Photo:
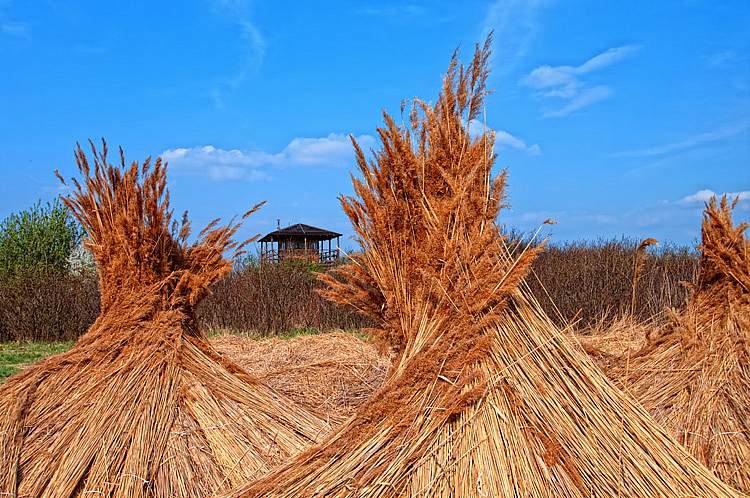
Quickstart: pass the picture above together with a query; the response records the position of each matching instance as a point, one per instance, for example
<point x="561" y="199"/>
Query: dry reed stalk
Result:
<point x="142" y="406"/>
<point x="486" y="396"/>
<point x="693" y="375"/>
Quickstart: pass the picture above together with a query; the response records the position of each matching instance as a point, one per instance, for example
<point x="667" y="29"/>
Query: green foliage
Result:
<point x="41" y="237"/>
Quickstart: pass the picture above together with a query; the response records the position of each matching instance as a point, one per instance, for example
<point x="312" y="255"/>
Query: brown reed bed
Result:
<point x="143" y="406"/>
<point x="693" y="374"/>
<point x="486" y="396"/>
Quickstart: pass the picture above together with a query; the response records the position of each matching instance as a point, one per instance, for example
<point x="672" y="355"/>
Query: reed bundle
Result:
<point x="142" y="406"/>
<point x="486" y="397"/>
<point x="693" y="375"/>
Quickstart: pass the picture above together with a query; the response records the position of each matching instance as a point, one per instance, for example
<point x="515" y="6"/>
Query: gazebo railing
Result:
<point x="326" y="258"/>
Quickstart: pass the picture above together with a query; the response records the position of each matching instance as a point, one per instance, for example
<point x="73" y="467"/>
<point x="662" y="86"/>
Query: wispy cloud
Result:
<point x="333" y="151"/>
<point x="562" y="216"/>
<point x="253" y="49"/>
<point x="581" y="99"/>
<point x="719" y="59"/>
<point x="720" y="133"/>
<point x="514" y="25"/>
<point x="16" y="29"/>
<point x="402" y="10"/>
<point x="503" y="138"/>
<point x="727" y="58"/>
<point x="565" y="82"/>
<point x="92" y="49"/>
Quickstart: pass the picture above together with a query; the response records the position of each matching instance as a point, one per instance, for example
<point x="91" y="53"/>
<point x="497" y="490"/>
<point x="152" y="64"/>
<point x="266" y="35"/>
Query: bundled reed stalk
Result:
<point x="693" y="375"/>
<point x="486" y="397"/>
<point x="142" y="406"/>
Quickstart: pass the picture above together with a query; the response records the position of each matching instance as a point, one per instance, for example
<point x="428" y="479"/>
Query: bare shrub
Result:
<point x="591" y="282"/>
<point x="46" y="305"/>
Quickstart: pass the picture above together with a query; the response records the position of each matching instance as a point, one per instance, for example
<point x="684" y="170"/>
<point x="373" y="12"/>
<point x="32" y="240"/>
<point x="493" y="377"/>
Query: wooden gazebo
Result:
<point x="302" y="242"/>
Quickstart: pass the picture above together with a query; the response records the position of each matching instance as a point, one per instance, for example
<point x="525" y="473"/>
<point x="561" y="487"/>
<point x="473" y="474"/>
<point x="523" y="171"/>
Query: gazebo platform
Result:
<point x="300" y="242"/>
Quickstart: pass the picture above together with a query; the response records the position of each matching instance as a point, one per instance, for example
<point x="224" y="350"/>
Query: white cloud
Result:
<point x="547" y="76"/>
<point x="207" y="161"/>
<point x="334" y="150"/>
<point x="564" y="81"/>
<point x="703" y="196"/>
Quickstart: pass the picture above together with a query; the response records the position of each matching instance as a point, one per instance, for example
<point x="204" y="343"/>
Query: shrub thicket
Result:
<point x="266" y="299"/>
<point x="46" y="305"/>
<point x="586" y="281"/>
<point x="591" y="282"/>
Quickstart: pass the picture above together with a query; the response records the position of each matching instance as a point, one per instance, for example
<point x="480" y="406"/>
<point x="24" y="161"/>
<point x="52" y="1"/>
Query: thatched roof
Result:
<point x="142" y="405"/>
<point x="486" y="397"/>
<point x="298" y="232"/>
<point x="693" y="375"/>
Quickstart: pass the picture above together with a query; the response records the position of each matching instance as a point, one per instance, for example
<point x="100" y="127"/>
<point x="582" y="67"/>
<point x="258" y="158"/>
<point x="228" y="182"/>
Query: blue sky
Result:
<point x="613" y="118"/>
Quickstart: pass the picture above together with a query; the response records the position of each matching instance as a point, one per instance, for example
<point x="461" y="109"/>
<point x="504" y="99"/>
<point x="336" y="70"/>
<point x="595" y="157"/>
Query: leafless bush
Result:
<point x="266" y="299"/>
<point x="586" y="281"/>
<point x="592" y="281"/>
<point x="46" y="305"/>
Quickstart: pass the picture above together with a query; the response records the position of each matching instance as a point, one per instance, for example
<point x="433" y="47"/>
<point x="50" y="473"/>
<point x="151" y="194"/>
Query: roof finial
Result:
<point x="278" y="223"/>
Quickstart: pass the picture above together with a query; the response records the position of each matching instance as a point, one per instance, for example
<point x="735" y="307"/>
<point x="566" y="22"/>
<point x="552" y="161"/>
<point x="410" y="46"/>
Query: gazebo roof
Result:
<point x="300" y="231"/>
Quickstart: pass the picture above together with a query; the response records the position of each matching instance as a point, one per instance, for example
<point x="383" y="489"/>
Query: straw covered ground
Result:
<point x="143" y="406"/>
<point x="486" y="397"/>
<point x="333" y="373"/>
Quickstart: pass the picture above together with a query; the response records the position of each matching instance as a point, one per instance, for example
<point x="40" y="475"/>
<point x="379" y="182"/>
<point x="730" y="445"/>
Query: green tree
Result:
<point x="38" y="238"/>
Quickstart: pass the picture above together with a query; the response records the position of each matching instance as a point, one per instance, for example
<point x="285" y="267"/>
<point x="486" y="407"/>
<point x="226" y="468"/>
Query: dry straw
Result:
<point x="693" y="375"/>
<point x="142" y="406"/>
<point x="334" y="373"/>
<point x="486" y="397"/>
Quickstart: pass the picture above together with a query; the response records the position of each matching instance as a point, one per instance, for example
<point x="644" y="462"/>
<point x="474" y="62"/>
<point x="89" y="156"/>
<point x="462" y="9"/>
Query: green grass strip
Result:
<point x="17" y="356"/>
